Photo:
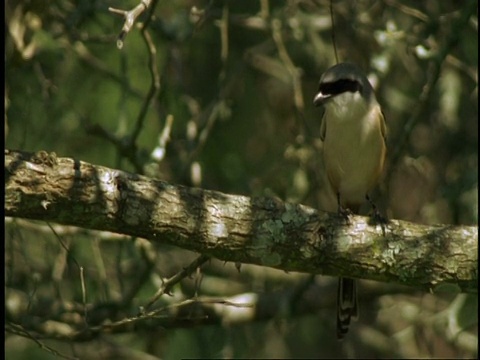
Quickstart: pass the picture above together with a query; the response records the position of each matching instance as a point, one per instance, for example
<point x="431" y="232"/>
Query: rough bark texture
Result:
<point x="261" y="231"/>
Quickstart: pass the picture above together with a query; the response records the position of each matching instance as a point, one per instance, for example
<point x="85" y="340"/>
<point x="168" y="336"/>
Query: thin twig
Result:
<point x="169" y="283"/>
<point x="20" y="331"/>
<point x="154" y="86"/>
<point x="294" y="72"/>
<point x="130" y="18"/>
<point x="80" y="269"/>
<point x="333" y="32"/>
<point x="158" y="154"/>
<point x="100" y="264"/>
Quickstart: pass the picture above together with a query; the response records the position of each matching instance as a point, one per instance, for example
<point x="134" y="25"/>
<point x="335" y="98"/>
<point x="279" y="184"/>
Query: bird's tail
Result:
<point x="347" y="305"/>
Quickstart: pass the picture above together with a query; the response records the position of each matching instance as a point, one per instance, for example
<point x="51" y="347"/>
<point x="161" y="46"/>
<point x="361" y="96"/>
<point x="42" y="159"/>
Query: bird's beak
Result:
<point x="321" y="98"/>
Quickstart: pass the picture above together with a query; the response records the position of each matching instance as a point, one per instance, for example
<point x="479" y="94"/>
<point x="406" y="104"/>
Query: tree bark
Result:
<point x="262" y="231"/>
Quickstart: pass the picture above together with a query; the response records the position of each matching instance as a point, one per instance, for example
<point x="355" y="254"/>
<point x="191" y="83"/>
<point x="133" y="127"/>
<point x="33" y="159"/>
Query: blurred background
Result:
<point x="218" y="95"/>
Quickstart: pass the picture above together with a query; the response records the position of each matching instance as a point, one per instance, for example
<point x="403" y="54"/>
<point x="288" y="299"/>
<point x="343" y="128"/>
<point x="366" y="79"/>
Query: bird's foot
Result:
<point x="376" y="218"/>
<point x="345" y="214"/>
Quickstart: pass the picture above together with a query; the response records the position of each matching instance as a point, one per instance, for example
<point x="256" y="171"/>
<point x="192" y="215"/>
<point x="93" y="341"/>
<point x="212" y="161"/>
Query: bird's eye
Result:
<point x="340" y="86"/>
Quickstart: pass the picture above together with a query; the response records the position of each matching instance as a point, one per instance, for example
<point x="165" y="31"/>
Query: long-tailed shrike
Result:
<point x="353" y="131"/>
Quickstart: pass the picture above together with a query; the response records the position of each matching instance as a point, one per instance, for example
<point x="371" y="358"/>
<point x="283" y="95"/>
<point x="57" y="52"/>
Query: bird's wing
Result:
<point x="383" y="126"/>
<point x="323" y="127"/>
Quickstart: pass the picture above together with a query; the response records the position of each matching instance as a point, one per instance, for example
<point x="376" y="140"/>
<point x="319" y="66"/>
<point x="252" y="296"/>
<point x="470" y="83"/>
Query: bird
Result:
<point x="353" y="131"/>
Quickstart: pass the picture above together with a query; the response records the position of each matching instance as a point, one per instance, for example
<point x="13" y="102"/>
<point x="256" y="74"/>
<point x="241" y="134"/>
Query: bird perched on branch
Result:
<point x="353" y="131"/>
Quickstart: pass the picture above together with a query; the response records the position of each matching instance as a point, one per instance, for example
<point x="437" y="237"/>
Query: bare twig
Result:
<point x="80" y="269"/>
<point x="156" y="313"/>
<point x="130" y="17"/>
<point x="334" y="43"/>
<point x="295" y="73"/>
<point x="408" y="10"/>
<point x="154" y="87"/>
<point x="223" y="25"/>
<point x="158" y="154"/>
<point x="21" y="331"/>
<point x="101" y="269"/>
<point x="67" y="230"/>
<point x="169" y="283"/>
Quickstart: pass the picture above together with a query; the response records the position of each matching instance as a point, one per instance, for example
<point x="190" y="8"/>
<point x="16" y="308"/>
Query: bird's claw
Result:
<point x="378" y="219"/>
<point x="345" y="214"/>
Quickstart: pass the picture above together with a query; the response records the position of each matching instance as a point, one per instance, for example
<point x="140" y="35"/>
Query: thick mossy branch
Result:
<point x="261" y="231"/>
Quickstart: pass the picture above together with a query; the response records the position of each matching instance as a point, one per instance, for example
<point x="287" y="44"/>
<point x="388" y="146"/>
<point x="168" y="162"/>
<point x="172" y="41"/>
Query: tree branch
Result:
<point x="130" y="18"/>
<point x="261" y="231"/>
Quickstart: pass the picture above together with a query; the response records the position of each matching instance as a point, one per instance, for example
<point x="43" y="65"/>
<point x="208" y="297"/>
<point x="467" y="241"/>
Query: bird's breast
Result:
<point x="354" y="153"/>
